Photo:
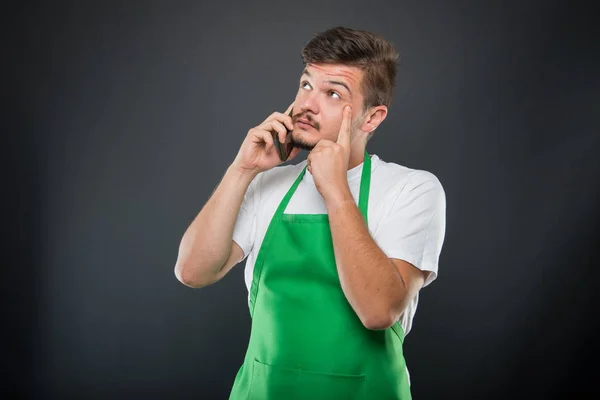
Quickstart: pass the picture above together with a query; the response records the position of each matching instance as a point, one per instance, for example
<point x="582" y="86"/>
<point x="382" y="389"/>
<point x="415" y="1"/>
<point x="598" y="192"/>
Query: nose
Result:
<point x="309" y="103"/>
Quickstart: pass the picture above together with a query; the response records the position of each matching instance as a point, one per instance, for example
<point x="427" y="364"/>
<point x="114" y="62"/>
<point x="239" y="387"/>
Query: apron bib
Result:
<point x="306" y="341"/>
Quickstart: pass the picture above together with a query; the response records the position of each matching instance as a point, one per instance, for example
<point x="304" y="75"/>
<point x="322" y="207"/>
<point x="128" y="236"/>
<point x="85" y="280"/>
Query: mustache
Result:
<point x="308" y="117"/>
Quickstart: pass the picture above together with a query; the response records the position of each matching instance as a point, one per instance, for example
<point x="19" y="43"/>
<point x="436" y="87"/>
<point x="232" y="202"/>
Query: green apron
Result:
<point x="306" y="341"/>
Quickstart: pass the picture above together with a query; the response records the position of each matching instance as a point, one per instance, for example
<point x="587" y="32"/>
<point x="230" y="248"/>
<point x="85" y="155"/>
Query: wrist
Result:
<point x="338" y="198"/>
<point x="241" y="175"/>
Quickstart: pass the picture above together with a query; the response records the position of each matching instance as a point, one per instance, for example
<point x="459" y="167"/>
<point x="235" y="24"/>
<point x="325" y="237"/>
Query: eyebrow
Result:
<point x="305" y="72"/>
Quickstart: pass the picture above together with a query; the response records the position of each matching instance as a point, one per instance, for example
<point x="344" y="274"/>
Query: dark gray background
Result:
<point x="122" y="117"/>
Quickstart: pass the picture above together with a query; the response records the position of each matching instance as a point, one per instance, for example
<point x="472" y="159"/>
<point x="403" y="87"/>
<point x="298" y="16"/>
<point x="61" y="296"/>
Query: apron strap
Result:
<point x="365" y="186"/>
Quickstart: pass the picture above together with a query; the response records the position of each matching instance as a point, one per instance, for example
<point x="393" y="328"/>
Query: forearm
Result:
<point x="369" y="279"/>
<point x="206" y="244"/>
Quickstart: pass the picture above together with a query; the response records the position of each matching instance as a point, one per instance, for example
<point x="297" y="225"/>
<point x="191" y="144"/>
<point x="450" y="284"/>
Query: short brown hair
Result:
<point x="374" y="55"/>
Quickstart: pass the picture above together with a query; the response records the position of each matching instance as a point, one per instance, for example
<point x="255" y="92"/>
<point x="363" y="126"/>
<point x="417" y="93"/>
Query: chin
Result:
<point x="304" y="141"/>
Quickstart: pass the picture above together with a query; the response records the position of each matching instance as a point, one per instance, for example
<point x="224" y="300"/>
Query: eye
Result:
<point x="303" y="84"/>
<point x="332" y="93"/>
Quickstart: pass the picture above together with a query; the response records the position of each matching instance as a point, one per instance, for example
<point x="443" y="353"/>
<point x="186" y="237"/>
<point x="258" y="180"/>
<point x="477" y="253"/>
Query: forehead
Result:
<point x="348" y="74"/>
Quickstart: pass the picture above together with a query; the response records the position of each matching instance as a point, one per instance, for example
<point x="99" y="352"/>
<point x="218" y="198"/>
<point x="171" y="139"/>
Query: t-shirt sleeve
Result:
<point x="245" y="224"/>
<point x="414" y="228"/>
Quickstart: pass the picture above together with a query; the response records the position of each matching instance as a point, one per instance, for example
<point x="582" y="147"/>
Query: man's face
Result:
<point x="323" y="92"/>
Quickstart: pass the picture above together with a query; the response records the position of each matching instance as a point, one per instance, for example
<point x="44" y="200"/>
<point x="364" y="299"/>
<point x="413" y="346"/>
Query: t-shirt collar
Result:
<point x="354" y="173"/>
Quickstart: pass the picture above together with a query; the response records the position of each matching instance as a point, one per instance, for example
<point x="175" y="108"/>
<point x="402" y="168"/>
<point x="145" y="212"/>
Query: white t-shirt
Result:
<point x="407" y="214"/>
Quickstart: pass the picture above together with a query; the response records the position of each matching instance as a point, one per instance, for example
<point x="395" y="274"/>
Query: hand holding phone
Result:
<point x="256" y="152"/>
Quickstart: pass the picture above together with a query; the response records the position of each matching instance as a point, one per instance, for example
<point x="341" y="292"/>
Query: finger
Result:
<point x="289" y="113"/>
<point x="275" y="126"/>
<point x="344" y="134"/>
<point x="322" y="144"/>
<point x="283" y="118"/>
<point x="289" y="109"/>
<point x="263" y="136"/>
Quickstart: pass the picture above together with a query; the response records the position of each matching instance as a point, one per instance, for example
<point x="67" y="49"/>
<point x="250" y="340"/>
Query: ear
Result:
<point x="373" y="118"/>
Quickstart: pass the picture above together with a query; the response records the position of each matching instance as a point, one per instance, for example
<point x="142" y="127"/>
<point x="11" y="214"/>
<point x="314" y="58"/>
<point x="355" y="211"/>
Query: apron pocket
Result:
<point x="273" y="382"/>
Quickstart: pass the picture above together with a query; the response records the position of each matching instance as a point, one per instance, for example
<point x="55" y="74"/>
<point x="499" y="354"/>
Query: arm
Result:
<point x="207" y="251"/>
<point x="377" y="287"/>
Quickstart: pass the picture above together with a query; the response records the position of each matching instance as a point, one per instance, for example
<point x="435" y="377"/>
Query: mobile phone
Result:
<point x="283" y="149"/>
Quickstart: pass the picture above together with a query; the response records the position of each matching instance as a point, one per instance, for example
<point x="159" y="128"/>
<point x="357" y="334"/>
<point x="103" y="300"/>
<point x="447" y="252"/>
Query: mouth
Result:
<point x="304" y="124"/>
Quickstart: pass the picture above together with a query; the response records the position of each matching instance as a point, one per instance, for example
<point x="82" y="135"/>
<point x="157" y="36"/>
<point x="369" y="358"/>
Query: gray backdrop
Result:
<point x="123" y="116"/>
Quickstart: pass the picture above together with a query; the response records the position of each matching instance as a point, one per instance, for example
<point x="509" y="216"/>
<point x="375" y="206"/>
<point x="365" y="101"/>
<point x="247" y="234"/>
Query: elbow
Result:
<point x="377" y="322"/>
<point x="381" y="319"/>
<point x="190" y="277"/>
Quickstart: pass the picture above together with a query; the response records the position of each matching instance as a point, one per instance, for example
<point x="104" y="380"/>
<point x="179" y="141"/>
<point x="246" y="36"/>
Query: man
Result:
<point x="338" y="246"/>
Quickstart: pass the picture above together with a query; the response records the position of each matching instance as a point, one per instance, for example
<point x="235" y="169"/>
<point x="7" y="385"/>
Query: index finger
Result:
<point x="344" y="134"/>
<point x="289" y="109"/>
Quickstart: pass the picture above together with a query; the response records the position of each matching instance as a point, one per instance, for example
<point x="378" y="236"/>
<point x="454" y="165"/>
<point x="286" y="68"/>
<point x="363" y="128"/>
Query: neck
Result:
<point x="357" y="155"/>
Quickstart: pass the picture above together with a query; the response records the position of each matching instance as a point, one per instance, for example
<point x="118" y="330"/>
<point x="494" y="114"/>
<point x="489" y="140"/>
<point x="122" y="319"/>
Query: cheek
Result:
<point x="331" y="123"/>
<point x="334" y="116"/>
<point x="301" y="94"/>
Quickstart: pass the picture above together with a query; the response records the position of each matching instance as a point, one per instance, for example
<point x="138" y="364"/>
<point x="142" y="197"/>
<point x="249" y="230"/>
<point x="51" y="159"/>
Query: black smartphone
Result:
<point x="283" y="149"/>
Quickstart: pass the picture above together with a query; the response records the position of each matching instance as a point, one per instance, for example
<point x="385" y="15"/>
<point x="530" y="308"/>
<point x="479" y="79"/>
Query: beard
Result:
<point x="302" y="144"/>
<point x="308" y="146"/>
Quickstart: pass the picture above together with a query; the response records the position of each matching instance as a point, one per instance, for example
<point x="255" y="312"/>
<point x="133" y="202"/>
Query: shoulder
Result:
<point x="405" y="180"/>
